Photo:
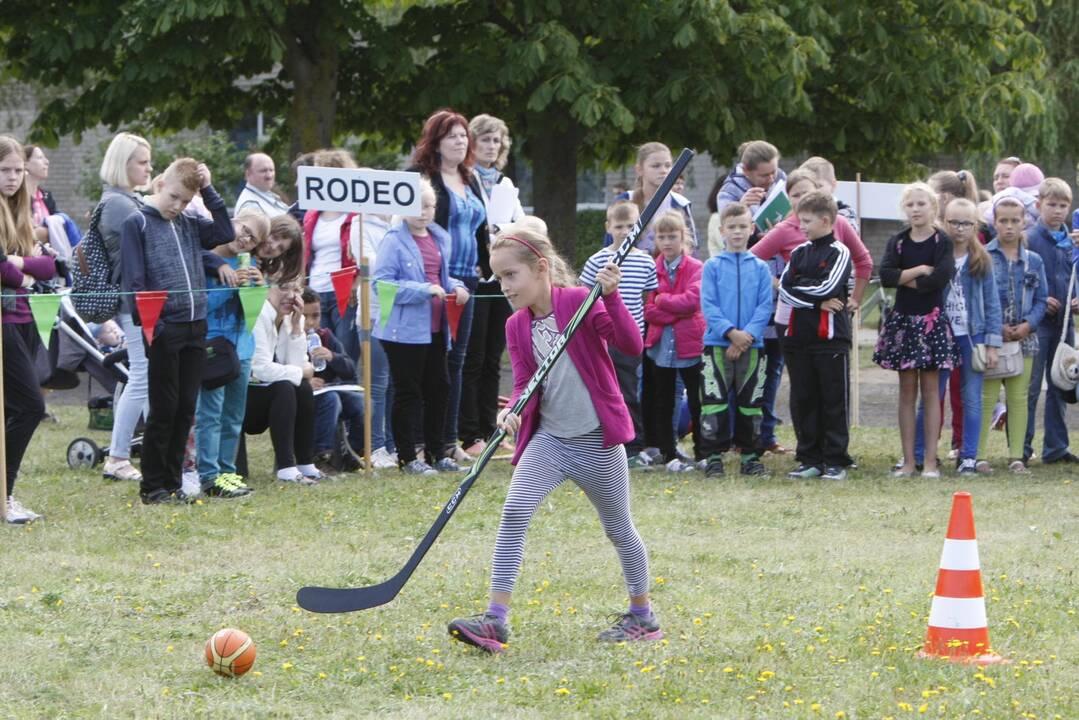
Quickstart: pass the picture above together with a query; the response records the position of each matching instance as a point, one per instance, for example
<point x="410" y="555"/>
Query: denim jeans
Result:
<point x="970" y="389"/>
<point x="1055" y="442"/>
<point x="219" y="422"/>
<point x="330" y="407"/>
<point x="456" y="364"/>
<point x="773" y="376"/>
<point x="381" y="399"/>
<point x="134" y="402"/>
<point x="343" y="327"/>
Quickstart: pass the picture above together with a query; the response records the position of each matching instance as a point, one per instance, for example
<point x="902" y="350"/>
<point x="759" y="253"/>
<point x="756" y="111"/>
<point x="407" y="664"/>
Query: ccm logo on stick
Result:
<point x="345" y="190"/>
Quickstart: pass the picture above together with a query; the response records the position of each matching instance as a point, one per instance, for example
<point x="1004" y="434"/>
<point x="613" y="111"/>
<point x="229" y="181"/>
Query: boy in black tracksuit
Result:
<point x="164" y="248"/>
<point x="817" y="341"/>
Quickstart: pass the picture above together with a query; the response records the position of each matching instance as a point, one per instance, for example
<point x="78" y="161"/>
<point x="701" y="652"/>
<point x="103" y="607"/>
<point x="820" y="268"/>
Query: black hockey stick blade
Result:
<point x="338" y="600"/>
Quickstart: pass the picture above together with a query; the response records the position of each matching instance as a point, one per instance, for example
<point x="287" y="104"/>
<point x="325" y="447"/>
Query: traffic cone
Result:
<point x="957" y="623"/>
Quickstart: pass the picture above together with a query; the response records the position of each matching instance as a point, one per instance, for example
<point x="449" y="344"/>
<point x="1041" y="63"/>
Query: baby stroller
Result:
<point x="78" y="350"/>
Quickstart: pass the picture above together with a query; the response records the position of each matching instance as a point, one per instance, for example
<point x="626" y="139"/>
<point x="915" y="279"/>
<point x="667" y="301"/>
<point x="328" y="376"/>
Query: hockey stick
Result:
<point x="336" y="600"/>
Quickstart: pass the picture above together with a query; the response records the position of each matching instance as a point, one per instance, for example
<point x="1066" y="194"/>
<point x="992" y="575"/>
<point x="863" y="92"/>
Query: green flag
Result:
<point x="386" y="294"/>
<point x="252" y="299"/>
<point x="44" y="307"/>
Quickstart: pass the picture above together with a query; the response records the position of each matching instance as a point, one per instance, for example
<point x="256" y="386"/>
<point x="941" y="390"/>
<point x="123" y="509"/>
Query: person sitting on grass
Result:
<point x="336" y="448"/>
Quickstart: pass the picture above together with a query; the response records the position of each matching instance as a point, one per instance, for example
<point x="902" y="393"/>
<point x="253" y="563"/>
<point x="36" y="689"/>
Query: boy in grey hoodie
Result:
<point x="164" y="248"/>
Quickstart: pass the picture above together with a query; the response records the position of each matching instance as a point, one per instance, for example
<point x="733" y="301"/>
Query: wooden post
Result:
<point x="365" y="352"/>
<point x="856" y="355"/>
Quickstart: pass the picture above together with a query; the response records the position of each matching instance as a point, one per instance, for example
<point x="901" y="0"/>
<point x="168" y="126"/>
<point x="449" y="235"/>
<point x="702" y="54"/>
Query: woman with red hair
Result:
<point x="445" y="155"/>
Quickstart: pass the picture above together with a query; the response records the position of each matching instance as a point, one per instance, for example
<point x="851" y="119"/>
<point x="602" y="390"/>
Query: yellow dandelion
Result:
<point x="562" y="691"/>
<point x="447" y="696"/>
<point x="286" y="666"/>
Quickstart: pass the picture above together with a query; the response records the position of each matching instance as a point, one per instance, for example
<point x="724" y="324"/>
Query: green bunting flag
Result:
<point x="252" y="299"/>
<point x="44" y="307"/>
<point x="386" y="294"/>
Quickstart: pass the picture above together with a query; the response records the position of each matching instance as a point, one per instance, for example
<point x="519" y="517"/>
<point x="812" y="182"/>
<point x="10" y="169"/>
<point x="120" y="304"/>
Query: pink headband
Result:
<point x="527" y="244"/>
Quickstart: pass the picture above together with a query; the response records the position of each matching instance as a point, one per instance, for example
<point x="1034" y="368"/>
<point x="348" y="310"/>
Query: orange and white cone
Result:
<point x="958" y="628"/>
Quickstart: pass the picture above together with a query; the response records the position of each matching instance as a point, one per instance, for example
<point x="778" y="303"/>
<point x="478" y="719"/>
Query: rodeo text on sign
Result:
<point x="386" y="192"/>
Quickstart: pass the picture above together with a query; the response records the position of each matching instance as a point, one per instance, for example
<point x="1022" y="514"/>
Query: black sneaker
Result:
<point x="184" y="498"/>
<point x="630" y="627"/>
<point x="157" y="497"/>
<point x="1067" y="459"/>
<point x="714" y="467"/>
<point x="344" y="457"/>
<point x="754" y="468"/>
<point x="486" y="631"/>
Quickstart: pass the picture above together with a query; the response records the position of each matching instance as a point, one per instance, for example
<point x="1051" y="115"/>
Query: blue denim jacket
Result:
<point x="1028" y="279"/>
<point x="399" y="262"/>
<point x="984" y="316"/>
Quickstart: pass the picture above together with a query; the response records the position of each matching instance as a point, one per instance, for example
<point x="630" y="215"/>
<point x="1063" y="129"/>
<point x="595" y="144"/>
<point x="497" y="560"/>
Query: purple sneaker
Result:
<point x="630" y="628"/>
<point x="487" y="632"/>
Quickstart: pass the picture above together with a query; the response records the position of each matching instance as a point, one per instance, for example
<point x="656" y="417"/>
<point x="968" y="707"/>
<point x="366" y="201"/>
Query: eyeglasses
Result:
<point x="961" y="224"/>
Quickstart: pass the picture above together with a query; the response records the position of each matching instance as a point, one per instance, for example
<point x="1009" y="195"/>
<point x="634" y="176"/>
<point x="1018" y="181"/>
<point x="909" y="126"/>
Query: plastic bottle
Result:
<point x="313" y="341"/>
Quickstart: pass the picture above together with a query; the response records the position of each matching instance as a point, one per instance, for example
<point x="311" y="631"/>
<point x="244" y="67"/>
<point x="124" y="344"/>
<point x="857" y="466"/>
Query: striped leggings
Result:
<point x="603" y="475"/>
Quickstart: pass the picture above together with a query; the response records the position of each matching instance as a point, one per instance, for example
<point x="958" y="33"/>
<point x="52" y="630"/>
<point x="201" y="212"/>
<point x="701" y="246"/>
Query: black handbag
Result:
<point x="222" y="363"/>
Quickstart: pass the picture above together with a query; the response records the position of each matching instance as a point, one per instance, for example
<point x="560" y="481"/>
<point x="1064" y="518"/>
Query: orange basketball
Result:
<point x="230" y="652"/>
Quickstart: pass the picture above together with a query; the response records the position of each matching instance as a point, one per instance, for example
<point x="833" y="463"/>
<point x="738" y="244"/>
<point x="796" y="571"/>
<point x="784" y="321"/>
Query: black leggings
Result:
<point x="482" y="372"/>
<point x="289" y="412"/>
<point x="24" y="407"/>
<point x="421" y="384"/>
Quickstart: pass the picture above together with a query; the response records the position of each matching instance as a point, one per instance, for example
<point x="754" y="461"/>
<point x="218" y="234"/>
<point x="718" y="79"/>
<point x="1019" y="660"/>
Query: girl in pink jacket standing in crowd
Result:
<point x="573" y="427"/>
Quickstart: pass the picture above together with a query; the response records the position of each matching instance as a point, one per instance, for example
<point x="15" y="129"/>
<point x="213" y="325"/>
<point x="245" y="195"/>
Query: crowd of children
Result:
<point x="980" y="293"/>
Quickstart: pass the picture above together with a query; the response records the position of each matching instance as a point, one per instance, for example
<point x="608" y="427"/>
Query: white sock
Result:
<point x="288" y="473"/>
<point x="309" y="470"/>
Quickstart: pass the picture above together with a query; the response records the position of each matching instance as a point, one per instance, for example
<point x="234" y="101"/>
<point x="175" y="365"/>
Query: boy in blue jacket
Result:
<point x="736" y="298"/>
<point x="164" y="248"/>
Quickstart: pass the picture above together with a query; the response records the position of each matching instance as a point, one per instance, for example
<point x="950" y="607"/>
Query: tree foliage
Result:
<point x="877" y="86"/>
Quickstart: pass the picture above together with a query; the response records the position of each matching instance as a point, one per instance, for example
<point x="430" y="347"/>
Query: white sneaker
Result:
<point x="120" y="470"/>
<point x="679" y="466"/>
<point x="19" y="515"/>
<point x="382" y="460"/>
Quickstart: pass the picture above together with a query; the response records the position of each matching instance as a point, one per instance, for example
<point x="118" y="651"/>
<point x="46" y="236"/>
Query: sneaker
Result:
<point x="640" y="461"/>
<point x="968" y="466"/>
<point x="325" y="463"/>
<point x="184" y="497"/>
<point x="652" y="454"/>
<point x="157" y="497"/>
<point x="805" y="472"/>
<point x="227" y="485"/>
<point x="447" y="465"/>
<point x="486" y="631"/>
<point x="382" y="460"/>
<point x="902" y="461"/>
<point x="293" y="475"/>
<point x="1067" y="459"/>
<point x="418" y="467"/>
<point x="931" y="474"/>
<point x="714" y="467"/>
<point x="120" y="470"/>
<point x="701" y="465"/>
<point x="17" y="514"/>
<point x="753" y="468"/>
<point x="983" y="467"/>
<point x="834" y="473"/>
<point x="679" y="466"/>
<point x="630" y="628"/>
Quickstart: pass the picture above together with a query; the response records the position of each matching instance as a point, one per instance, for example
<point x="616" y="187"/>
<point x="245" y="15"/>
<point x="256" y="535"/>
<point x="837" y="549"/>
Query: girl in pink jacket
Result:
<point x="573" y="427"/>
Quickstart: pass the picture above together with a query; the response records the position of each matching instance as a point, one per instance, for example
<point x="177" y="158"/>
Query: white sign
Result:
<point x="386" y="192"/>
<point x="880" y="201"/>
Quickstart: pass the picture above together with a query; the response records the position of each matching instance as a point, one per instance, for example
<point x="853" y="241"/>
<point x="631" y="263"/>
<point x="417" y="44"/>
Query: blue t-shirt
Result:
<point x="225" y="315"/>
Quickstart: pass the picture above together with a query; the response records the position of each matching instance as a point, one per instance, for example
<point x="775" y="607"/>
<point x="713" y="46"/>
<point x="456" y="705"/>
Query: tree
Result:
<point x="174" y="65"/>
<point x="873" y="85"/>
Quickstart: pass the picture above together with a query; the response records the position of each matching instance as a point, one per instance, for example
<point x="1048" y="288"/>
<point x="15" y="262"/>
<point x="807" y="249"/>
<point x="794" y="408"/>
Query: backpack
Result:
<point x="95" y="297"/>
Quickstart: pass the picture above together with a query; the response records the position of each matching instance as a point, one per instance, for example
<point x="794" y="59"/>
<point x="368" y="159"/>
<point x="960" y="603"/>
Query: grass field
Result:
<point x="779" y="598"/>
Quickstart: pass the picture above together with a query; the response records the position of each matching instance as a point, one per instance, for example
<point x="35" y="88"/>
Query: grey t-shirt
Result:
<point x="566" y="408"/>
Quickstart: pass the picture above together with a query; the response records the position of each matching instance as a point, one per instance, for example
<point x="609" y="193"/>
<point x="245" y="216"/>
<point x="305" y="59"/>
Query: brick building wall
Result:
<point x="67" y="162"/>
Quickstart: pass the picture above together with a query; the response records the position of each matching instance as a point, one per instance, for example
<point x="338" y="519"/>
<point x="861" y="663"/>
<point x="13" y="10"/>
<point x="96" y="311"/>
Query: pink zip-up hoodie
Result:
<point x="607" y="322"/>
